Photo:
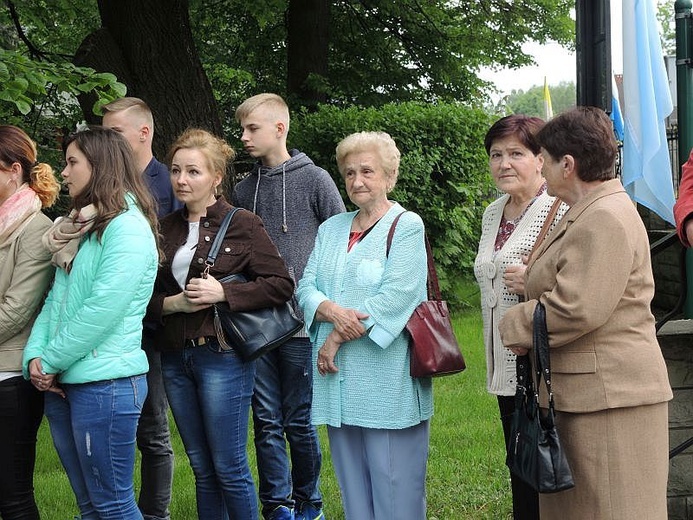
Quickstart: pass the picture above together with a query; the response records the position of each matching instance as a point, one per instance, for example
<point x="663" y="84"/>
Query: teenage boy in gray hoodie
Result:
<point x="293" y="197"/>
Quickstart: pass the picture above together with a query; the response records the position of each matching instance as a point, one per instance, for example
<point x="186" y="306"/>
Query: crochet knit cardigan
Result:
<point x="489" y="268"/>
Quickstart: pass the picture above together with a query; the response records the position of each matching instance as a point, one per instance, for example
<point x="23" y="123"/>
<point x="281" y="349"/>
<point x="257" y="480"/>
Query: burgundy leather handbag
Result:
<point x="434" y="350"/>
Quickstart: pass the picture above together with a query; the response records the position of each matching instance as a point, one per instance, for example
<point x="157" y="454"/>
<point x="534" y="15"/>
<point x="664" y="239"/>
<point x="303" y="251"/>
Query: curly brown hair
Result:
<point x="586" y="134"/>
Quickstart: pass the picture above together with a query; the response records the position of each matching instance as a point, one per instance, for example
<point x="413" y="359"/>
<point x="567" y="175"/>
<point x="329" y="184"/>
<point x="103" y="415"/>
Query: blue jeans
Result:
<point x="21" y="411"/>
<point x="93" y="431"/>
<point x="154" y="443"/>
<point x="281" y="407"/>
<point x="209" y="393"/>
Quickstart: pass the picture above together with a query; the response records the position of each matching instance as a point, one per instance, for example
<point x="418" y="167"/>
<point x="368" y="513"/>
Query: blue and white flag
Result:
<point x="616" y="115"/>
<point x="647" y="103"/>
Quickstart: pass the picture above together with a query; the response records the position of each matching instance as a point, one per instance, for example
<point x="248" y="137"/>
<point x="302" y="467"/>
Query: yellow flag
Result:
<point x="548" y="110"/>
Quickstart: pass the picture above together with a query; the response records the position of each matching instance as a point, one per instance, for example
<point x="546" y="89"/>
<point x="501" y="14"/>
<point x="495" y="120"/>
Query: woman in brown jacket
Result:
<point x="209" y="388"/>
<point x="593" y="275"/>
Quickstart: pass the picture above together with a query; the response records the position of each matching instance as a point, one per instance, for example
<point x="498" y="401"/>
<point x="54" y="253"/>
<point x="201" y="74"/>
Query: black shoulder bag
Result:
<point x="534" y="453"/>
<point x="250" y="333"/>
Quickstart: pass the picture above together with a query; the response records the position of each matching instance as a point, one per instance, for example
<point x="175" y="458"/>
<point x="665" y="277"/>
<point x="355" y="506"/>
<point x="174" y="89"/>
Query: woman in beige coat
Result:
<point x="25" y="272"/>
<point x="594" y="276"/>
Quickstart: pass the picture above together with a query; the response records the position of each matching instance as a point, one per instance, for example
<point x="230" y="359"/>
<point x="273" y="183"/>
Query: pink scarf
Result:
<point x="64" y="237"/>
<point x="16" y="212"/>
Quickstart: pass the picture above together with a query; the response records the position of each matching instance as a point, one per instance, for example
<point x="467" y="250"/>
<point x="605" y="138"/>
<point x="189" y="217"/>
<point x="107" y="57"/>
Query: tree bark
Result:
<point x="149" y="46"/>
<point x="307" y="50"/>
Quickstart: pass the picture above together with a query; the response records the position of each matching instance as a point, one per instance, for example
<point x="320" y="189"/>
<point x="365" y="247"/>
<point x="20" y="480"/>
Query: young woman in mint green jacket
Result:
<point x="84" y="349"/>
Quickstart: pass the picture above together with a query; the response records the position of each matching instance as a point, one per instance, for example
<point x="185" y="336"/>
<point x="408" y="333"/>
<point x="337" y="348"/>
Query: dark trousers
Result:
<point x="525" y="499"/>
<point x="154" y="443"/>
<point x="21" y="410"/>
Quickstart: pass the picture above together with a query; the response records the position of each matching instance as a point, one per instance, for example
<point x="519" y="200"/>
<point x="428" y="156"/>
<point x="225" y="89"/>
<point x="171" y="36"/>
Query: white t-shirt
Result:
<point x="181" y="260"/>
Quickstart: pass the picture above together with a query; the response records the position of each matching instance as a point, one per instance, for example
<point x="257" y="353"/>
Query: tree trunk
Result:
<point x="149" y="46"/>
<point x="307" y="50"/>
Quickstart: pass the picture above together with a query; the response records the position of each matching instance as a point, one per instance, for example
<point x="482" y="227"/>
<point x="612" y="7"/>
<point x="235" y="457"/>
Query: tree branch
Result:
<point x="394" y="28"/>
<point x="34" y="51"/>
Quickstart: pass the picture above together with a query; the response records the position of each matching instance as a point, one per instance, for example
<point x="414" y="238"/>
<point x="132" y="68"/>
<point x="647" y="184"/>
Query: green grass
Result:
<point x="467" y="477"/>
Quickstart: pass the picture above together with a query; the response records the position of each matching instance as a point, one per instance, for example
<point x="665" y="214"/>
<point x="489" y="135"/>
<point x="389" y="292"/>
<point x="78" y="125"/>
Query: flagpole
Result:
<point x="593" y="53"/>
<point x="684" y="78"/>
<point x="684" y="118"/>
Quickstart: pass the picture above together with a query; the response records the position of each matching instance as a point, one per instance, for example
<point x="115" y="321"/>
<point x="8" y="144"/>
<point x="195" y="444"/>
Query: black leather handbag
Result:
<point x="534" y="453"/>
<point x="250" y="333"/>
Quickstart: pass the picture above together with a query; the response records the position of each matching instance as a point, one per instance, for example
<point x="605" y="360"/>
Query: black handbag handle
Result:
<point x="542" y="363"/>
<point x="541" y="349"/>
<point x="218" y="239"/>
<point x="523" y="365"/>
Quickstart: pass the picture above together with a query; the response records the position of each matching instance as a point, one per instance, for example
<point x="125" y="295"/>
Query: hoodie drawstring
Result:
<point x="285" y="227"/>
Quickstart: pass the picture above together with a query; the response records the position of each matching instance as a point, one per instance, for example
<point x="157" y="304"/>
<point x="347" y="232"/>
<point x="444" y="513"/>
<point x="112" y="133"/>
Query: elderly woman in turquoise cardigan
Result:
<point x="357" y="299"/>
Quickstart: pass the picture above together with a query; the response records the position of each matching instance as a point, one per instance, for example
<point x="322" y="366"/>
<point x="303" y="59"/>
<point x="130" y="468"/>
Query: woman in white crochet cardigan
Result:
<point x="510" y="227"/>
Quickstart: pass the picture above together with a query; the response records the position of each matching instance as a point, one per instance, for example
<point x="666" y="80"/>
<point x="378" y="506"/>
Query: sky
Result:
<point x="554" y="61"/>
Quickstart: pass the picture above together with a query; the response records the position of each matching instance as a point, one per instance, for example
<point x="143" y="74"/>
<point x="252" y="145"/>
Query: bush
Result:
<point x="443" y="173"/>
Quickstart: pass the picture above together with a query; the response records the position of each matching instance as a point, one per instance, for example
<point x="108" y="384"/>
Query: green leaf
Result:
<point x="23" y="106"/>
<point x="87" y="87"/>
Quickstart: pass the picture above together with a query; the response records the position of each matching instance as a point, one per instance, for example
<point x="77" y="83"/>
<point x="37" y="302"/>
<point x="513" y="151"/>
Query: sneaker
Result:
<point x="282" y="513"/>
<point x="309" y="512"/>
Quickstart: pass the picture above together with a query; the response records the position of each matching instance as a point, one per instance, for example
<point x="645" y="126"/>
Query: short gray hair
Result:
<point x="379" y="142"/>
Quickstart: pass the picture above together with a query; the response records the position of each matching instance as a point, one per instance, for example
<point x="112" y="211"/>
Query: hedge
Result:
<point x="443" y="173"/>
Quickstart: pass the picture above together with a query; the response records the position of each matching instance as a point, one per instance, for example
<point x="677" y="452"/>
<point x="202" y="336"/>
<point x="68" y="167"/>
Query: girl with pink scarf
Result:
<point x="26" y="186"/>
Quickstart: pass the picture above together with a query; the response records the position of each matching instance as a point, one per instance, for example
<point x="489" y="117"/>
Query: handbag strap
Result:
<point x="432" y="286"/>
<point x="218" y="239"/>
<point x="545" y="228"/>
<point x="541" y="349"/>
<point x="391" y="233"/>
<point x="523" y="368"/>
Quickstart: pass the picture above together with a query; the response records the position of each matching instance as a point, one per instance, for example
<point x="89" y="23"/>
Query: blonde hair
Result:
<point x="379" y="142"/>
<point x="274" y="103"/>
<point x="217" y="152"/>
<point x="134" y="106"/>
<point x="17" y="147"/>
<point x="43" y="182"/>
